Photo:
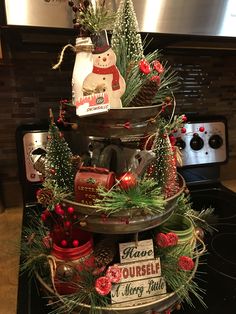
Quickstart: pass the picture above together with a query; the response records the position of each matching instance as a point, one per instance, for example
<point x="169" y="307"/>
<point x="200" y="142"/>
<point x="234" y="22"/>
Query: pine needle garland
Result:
<point x="146" y="197"/>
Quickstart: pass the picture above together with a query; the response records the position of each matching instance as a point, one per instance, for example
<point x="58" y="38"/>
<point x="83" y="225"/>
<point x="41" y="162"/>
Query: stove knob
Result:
<point x="180" y="143"/>
<point x="196" y="142"/>
<point x="215" y="141"/>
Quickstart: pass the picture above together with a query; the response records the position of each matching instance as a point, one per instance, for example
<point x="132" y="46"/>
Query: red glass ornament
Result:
<point x="158" y="66"/>
<point x="70" y="210"/>
<point x="183" y="130"/>
<point x="128" y="181"/>
<point x="144" y="66"/>
<point x="75" y="243"/>
<point x="185" y="263"/>
<point x="103" y="285"/>
<point x="201" y="129"/>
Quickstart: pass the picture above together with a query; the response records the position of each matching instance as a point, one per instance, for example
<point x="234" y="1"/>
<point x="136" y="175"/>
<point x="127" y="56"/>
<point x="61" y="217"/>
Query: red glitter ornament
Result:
<point x="162" y="240"/>
<point x="144" y="66"/>
<point x="158" y="66"/>
<point x="103" y="285"/>
<point x="127" y="181"/>
<point x="185" y="263"/>
<point x="172" y="238"/>
<point x="114" y="274"/>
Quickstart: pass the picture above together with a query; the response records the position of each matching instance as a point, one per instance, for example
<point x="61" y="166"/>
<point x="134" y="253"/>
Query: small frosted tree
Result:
<point x="58" y="168"/>
<point x="126" y="40"/>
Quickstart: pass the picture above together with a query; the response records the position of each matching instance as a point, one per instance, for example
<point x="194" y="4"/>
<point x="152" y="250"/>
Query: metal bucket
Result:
<point x="122" y="123"/>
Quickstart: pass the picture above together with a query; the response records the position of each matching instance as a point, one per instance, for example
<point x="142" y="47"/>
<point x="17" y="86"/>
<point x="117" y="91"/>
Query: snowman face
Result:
<point x="105" y="59"/>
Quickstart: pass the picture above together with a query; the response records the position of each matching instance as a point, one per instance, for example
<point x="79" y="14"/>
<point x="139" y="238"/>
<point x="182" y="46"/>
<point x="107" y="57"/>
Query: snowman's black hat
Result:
<point x="100" y="41"/>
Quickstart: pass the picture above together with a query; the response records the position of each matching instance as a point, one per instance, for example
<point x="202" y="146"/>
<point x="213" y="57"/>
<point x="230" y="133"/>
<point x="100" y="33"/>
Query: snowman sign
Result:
<point x="105" y="76"/>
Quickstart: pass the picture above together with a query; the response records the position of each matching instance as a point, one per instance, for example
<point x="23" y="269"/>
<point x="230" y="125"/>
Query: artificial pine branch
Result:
<point x="146" y="196"/>
<point x="204" y="218"/>
<point x="96" y="18"/>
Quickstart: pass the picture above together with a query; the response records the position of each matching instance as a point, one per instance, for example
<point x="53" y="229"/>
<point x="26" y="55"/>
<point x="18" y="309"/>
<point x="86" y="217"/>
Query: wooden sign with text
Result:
<point x="139" y="289"/>
<point x="141" y="274"/>
<point x="132" y="251"/>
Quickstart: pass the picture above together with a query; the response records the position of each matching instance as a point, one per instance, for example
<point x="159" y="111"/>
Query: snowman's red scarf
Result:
<point x="110" y="70"/>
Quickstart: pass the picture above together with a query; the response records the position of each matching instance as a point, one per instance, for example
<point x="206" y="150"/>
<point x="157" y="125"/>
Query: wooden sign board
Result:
<point x="140" y="270"/>
<point x="138" y="289"/>
<point x="94" y="104"/>
<point x="132" y="251"/>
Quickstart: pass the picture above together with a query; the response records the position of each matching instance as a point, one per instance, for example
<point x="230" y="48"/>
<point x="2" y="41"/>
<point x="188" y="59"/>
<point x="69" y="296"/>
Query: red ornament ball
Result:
<point x="103" y="285"/>
<point x="75" y="243"/>
<point x="185" y="263"/>
<point x="70" y="210"/>
<point x="127" y="181"/>
<point x="63" y="243"/>
<point x="183" y="130"/>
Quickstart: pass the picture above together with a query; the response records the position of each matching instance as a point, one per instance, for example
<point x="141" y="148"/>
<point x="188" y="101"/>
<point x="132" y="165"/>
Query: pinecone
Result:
<point x="146" y="94"/>
<point x="45" y="196"/>
<point x="104" y="252"/>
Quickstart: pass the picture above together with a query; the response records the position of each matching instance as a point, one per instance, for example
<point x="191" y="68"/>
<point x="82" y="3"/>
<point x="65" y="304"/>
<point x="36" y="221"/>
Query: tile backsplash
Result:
<point x="29" y="87"/>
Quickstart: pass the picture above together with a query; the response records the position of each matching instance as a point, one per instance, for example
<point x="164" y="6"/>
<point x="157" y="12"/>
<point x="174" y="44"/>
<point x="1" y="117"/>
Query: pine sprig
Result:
<point x="145" y="196"/>
<point x="33" y="249"/>
<point x="96" y="18"/>
<point x="203" y="218"/>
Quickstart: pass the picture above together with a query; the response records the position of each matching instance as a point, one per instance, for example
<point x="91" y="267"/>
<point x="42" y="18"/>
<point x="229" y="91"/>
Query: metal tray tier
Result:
<point x="119" y="123"/>
<point x="159" y="303"/>
<point x="92" y="220"/>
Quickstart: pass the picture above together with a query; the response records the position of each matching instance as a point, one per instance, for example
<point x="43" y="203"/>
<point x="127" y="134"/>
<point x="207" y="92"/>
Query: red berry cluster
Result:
<point x="146" y="68"/>
<point x="62" y="222"/>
